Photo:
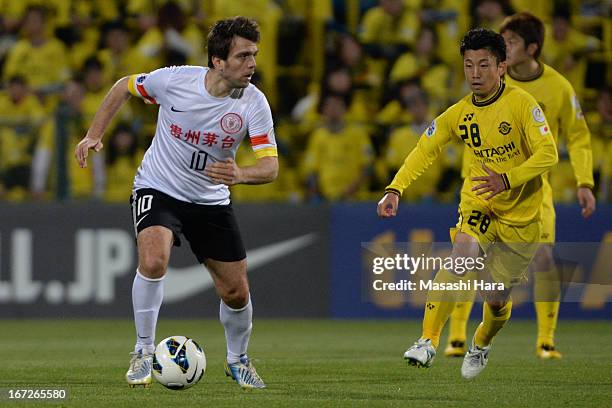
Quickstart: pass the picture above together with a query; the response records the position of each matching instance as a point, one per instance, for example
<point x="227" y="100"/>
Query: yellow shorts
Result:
<point x="547" y="216"/>
<point x="509" y="249"/>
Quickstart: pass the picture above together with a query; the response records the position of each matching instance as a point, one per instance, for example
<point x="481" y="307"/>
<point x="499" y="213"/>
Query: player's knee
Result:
<point x="543" y="260"/>
<point x="235" y="297"/>
<point x="153" y="266"/>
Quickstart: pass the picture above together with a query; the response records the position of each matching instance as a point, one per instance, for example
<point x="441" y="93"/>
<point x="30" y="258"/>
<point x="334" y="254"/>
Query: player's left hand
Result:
<point x="227" y="172"/>
<point x="491" y="183"/>
<point x="586" y="199"/>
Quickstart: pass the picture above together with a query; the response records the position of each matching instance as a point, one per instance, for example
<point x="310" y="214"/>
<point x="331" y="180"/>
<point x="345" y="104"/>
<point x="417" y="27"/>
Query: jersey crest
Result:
<point x="231" y="123"/>
<point x="504" y="128"/>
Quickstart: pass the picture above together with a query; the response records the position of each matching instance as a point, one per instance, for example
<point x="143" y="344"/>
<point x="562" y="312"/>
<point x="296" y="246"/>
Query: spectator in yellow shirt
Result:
<point x="339" y="155"/>
<point x="566" y="49"/>
<point x="173" y="33"/>
<point x="122" y="160"/>
<point x="389" y="29"/>
<point x="119" y="58"/>
<point x="21" y="121"/>
<point x="41" y="60"/>
<point x="424" y="63"/>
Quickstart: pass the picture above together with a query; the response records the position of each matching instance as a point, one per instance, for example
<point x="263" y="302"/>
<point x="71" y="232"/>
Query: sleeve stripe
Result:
<point x="266" y="152"/>
<point x="393" y="191"/>
<point x="131" y="87"/>
<point x="259" y="140"/>
<point x="144" y="94"/>
<point x="506" y="181"/>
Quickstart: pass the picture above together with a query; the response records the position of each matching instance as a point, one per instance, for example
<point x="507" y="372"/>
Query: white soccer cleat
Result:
<point x="139" y="372"/>
<point x="475" y="361"/>
<point x="421" y="354"/>
<point x="244" y="373"/>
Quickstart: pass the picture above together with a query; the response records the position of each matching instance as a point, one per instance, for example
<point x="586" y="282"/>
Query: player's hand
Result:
<point x="226" y="172"/>
<point x="387" y="206"/>
<point x="491" y="183"/>
<point x="586" y="199"/>
<point x="82" y="150"/>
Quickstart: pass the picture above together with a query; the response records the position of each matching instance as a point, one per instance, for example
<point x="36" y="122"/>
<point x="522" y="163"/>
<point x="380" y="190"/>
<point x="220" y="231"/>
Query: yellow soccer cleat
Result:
<point x="455" y="348"/>
<point x="548" y="352"/>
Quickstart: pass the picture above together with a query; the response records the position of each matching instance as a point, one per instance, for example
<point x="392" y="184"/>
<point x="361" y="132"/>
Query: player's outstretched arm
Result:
<point x="114" y="99"/>
<point x="387" y="206"/>
<point x="229" y="173"/>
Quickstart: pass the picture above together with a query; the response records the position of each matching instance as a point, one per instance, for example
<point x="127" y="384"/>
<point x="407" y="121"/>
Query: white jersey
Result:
<point x="195" y="129"/>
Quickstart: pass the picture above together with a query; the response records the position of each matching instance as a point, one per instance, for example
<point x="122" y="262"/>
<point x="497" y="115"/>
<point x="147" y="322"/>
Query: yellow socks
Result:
<point x="438" y="308"/>
<point x="546" y="300"/>
<point x="458" y="320"/>
<point x="492" y="322"/>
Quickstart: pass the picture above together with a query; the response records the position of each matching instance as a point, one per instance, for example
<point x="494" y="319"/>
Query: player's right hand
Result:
<point x="387" y="207"/>
<point x="82" y="150"/>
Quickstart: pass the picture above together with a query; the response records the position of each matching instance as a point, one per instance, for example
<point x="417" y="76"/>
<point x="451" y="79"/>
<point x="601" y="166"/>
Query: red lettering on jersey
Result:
<point x="209" y="139"/>
<point x="193" y="136"/>
<point x="228" y="142"/>
<point x="176" y="131"/>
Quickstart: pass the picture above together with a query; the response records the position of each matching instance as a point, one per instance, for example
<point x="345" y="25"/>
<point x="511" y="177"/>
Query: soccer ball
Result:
<point x="178" y="362"/>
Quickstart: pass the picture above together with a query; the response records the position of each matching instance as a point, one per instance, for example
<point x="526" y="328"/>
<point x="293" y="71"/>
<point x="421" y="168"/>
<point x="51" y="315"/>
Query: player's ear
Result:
<point x="218" y="63"/>
<point x="532" y="49"/>
<point x="502" y="67"/>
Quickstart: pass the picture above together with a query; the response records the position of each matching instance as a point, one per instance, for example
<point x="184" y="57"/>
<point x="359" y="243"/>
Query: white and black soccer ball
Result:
<point x="178" y="363"/>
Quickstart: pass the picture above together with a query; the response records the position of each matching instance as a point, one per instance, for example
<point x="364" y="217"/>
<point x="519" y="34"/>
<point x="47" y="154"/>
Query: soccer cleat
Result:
<point x="139" y="372"/>
<point x="456" y="348"/>
<point x="421" y="354"/>
<point x="548" y="352"/>
<point x="475" y="361"/>
<point x="244" y="373"/>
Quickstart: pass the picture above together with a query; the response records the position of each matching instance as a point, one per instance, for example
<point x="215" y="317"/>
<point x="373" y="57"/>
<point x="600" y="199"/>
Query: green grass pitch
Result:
<point x="309" y="363"/>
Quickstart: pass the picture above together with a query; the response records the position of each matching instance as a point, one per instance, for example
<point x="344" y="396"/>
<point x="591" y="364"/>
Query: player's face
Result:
<point x="240" y="64"/>
<point x="482" y="71"/>
<point x="516" y="52"/>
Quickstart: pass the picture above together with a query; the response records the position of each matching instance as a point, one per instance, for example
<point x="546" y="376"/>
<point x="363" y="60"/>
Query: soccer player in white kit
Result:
<point x="181" y="186"/>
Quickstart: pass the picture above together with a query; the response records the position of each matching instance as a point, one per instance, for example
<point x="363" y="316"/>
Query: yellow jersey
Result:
<point x="559" y="102"/>
<point x="20" y="125"/>
<point x="337" y="158"/>
<point x="41" y="66"/>
<point x="508" y="133"/>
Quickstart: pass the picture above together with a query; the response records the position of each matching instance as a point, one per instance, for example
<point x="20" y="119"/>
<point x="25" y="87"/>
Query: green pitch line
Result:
<point x="309" y="363"/>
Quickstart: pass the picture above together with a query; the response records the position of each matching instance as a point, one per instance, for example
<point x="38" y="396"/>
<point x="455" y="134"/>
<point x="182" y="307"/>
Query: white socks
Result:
<point x="147" y="297"/>
<point x="238" y="324"/>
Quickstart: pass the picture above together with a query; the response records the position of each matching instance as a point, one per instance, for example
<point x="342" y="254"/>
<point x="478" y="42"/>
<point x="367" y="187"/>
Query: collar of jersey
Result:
<point x="492" y="99"/>
<point x="533" y="77"/>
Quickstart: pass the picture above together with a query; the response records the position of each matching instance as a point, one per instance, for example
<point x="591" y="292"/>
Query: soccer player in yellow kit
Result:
<point x="507" y="133"/>
<point x="524" y="36"/>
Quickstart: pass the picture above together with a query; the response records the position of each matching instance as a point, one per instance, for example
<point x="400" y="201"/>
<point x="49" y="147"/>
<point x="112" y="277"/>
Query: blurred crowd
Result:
<point x="352" y="85"/>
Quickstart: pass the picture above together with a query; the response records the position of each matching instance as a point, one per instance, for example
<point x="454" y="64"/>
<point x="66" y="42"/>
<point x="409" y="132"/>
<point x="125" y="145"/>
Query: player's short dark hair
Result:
<point x="482" y="38"/>
<point x="222" y="34"/>
<point x="528" y="27"/>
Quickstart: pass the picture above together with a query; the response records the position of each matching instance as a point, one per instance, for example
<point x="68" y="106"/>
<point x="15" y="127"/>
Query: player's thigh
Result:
<point x="475" y="222"/>
<point x="508" y="259"/>
<point x="154" y="246"/>
<point x="157" y="227"/>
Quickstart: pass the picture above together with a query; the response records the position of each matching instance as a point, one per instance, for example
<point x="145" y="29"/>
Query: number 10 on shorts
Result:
<point x="143" y="204"/>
